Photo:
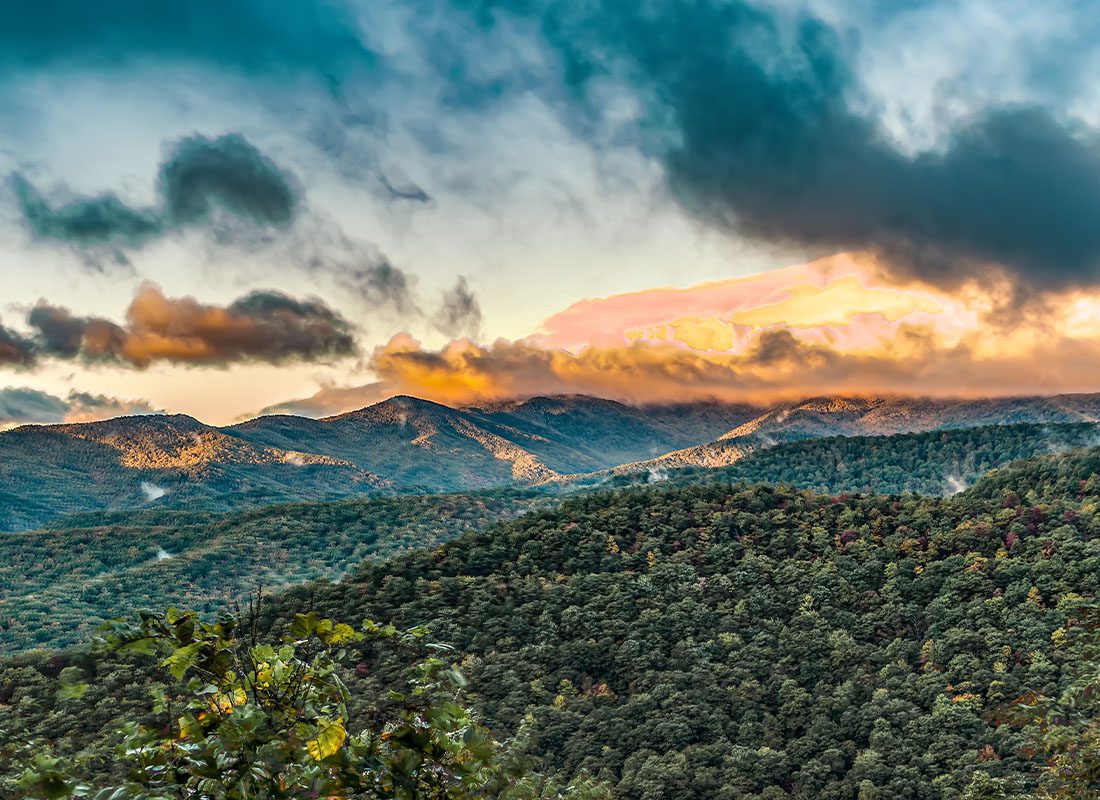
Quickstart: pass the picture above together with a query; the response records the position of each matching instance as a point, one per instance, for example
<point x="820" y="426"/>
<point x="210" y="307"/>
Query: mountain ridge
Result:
<point x="842" y="415"/>
<point x="411" y="445"/>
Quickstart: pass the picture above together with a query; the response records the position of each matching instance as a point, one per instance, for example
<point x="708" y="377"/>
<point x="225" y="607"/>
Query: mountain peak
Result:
<point x="393" y="409"/>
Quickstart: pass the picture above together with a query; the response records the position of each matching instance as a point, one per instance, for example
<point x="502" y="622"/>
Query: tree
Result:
<point x="270" y="719"/>
<point x="1069" y="725"/>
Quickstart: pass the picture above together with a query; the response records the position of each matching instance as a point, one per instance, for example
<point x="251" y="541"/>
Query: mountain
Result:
<point x="937" y="463"/>
<point x="84" y="567"/>
<point x="419" y="444"/>
<point x="132" y="462"/>
<point x="407" y="445"/>
<point x="603" y="433"/>
<point x="867" y="416"/>
<point x="400" y="445"/>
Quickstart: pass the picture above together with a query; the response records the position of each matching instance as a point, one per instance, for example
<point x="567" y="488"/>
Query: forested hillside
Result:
<point x="57" y="585"/>
<point x="90" y="566"/>
<point x="724" y="642"/>
<point x="418" y="443"/>
<point x="157" y="462"/>
<point x="828" y="416"/>
<point x="934" y="463"/>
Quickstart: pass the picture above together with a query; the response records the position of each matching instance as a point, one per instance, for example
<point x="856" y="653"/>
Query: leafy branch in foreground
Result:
<point x="270" y="719"/>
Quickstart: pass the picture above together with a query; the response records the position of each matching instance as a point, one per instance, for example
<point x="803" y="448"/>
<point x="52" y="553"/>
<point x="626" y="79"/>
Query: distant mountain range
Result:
<point x="407" y="445"/>
<point x="868" y="416"/>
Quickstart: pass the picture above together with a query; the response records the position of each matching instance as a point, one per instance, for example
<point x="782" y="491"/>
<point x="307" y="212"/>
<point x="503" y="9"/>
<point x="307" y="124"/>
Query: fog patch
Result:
<point x="152" y="491"/>
<point x="955" y="484"/>
<point x="657" y="475"/>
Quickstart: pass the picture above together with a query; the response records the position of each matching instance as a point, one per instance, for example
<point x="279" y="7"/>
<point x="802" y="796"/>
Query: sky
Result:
<point x="253" y="206"/>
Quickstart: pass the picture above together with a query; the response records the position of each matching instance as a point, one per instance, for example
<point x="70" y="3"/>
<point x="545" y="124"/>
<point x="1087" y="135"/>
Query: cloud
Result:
<point x="331" y="400"/>
<point x="310" y="37"/>
<point x="88" y="407"/>
<point x="14" y="348"/>
<point x="260" y="326"/>
<point x="405" y="191"/>
<point x="321" y="248"/>
<point x="753" y="117"/>
<point x="85" y="221"/>
<point x="200" y="180"/>
<point x="779" y="347"/>
<point x="202" y="175"/>
<point x="153" y="492"/>
<point x="380" y="283"/>
<point x="777" y="365"/>
<point x="20" y="406"/>
<point x="459" y="313"/>
<point x="846" y="300"/>
<point x="211" y="182"/>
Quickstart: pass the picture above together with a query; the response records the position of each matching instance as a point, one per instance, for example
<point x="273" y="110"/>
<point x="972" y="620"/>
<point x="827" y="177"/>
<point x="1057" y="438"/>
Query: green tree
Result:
<point x="1068" y="724"/>
<point x="259" y="720"/>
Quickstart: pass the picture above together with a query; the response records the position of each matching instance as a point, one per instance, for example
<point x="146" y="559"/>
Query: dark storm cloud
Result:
<point x="312" y="37"/>
<point x="199" y="178"/>
<point x="460" y="312"/>
<point x="779" y="347"/>
<point x="203" y="174"/>
<point x="262" y="326"/>
<point x="59" y="332"/>
<point x="752" y="118"/>
<point x="85" y="406"/>
<point x="99" y="220"/>
<point x="380" y="283"/>
<point x="322" y="249"/>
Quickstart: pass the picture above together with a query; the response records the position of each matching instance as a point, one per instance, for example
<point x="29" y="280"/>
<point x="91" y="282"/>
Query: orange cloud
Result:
<point x="261" y="326"/>
<point x="776" y="365"/>
<point x="836" y="326"/>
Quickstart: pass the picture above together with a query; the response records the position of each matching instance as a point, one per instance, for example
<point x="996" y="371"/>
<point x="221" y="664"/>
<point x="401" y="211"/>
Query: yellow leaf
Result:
<point x="328" y="742"/>
<point x="341" y="633"/>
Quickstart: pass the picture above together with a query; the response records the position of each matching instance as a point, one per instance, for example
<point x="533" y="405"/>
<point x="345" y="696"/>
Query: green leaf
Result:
<point x="182" y="660"/>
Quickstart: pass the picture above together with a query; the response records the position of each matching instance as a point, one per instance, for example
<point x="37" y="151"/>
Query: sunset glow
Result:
<point x="839" y="325"/>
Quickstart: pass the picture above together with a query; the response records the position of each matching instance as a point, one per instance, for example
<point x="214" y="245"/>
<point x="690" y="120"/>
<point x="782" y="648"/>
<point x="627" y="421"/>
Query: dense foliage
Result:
<point x="52" y="585"/>
<point x="260" y="720"/>
<point x="56" y="586"/>
<point x="752" y="643"/>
